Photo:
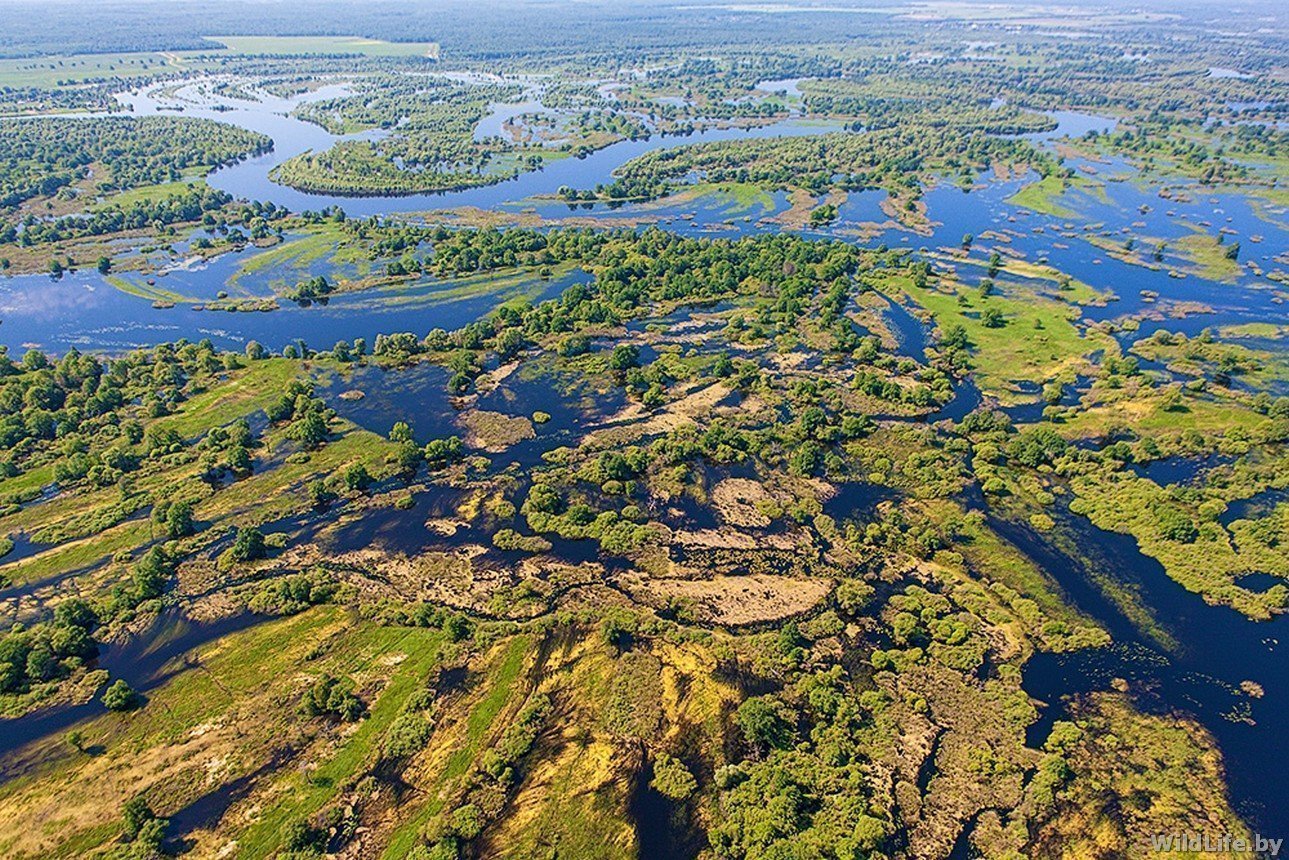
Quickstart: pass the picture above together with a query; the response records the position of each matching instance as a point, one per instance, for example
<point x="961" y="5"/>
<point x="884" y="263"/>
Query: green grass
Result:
<point x="1208" y="564"/>
<point x="270" y="494"/>
<point x="153" y="193"/>
<point x="501" y="686"/>
<point x="1145" y="413"/>
<point x="1207" y="257"/>
<point x="1039" y="341"/>
<point x="1077" y="291"/>
<point x="506" y="286"/>
<point x="137" y="285"/>
<point x="296" y="252"/>
<point x="267" y="494"/>
<point x="247" y="391"/>
<point x="1269" y="331"/>
<point x="740" y="197"/>
<point x="265" y="665"/>
<point x="1042" y="197"/>
<point x="47" y="72"/>
<point x="304" y="794"/>
<point x="80" y="554"/>
<point x="325" y="45"/>
<point x="28" y="482"/>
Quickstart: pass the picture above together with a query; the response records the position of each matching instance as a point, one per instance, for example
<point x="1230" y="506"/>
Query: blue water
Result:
<point x="83" y="310"/>
<point x="1212" y="648"/>
<point x="53" y="315"/>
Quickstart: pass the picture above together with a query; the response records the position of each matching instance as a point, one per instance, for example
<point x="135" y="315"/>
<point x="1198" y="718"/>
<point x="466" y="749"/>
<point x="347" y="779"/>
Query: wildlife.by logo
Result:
<point x="1209" y="843"/>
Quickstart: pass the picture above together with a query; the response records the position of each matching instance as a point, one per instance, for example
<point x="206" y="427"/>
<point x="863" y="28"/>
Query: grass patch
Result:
<point x="1207" y="257"/>
<point x="467" y="741"/>
<point x="300" y="795"/>
<point x="154" y="193"/>
<point x="1037" y="342"/>
<point x="1043" y="196"/>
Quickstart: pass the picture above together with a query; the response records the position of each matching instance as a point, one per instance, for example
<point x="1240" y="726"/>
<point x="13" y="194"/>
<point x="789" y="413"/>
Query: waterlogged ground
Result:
<point x="1080" y="233"/>
<point x="1179" y="653"/>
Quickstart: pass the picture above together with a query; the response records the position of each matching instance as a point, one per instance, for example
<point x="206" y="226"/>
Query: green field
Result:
<point x="63" y="69"/>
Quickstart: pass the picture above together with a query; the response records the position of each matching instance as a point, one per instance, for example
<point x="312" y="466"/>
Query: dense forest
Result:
<point x="40" y="156"/>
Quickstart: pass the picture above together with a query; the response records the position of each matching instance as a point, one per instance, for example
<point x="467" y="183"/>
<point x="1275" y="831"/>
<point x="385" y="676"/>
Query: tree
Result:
<point x="443" y="452"/>
<point x="179" y="522"/>
<point x="1175" y="524"/>
<point x="104" y="265"/>
<point x="408" y="734"/>
<point x="239" y="460"/>
<point x="134" y="815"/>
<point x="302" y="838"/>
<point x="406" y="459"/>
<point x="671" y="778"/>
<point x="319" y="495"/>
<point x="248" y="545"/>
<point x="995" y="263"/>
<point x="509" y="343"/>
<point x="870" y="832"/>
<point x="150" y="574"/>
<point x="763" y="724"/>
<point x="806" y="459"/>
<point x="34" y="359"/>
<point x="1037" y="446"/>
<point x="310" y="430"/>
<point x="625" y="356"/>
<point x="332" y="697"/>
<point x="357" y="478"/>
<point x="120" y="697"/>
<point x="992" y="318"/>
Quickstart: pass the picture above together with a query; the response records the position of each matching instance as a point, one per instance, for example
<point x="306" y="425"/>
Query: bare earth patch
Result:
<point x="739" y="600"/>
<point x="735" y="502"/>
<point x="493" y="431"/>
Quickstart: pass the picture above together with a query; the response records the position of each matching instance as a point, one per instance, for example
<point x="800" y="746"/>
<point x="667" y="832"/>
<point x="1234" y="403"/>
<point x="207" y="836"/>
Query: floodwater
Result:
<point x="1195" y="666"/>
<point x="1209" y="651"/>
<point x="144" y="662"/>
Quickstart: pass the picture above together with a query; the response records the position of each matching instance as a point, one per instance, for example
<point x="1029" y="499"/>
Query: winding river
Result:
<point x="1211" y="649"/>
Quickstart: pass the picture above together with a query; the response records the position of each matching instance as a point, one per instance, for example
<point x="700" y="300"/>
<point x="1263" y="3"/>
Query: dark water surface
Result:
<point x="1195" y="667"/>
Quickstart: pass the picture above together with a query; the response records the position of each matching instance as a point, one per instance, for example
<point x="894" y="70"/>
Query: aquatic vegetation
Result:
<point x="763" y="442"/>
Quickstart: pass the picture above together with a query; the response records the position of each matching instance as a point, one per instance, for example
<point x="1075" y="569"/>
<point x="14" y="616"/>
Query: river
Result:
<point x="1218" y="649"/>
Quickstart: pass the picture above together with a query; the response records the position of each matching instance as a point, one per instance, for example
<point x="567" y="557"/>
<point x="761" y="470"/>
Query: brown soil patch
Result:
<point x="740" y="600"/>
<point x="494" y="432"/>
<point x="735" y="502"/>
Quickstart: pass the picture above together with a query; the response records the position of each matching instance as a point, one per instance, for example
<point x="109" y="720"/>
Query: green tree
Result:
<point x="671" y="778"/>
<point x="248" y="545"/>
<point x="992" y="318"/>
<point x="763" y="724"/>
<point x="310" y="429"/>
<point x="120" y="696"/>
<point x="624" y="357"/>
<point x="357" y="478"/>
<point x="179" y="521"/>
<point x="150" y="573"/>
